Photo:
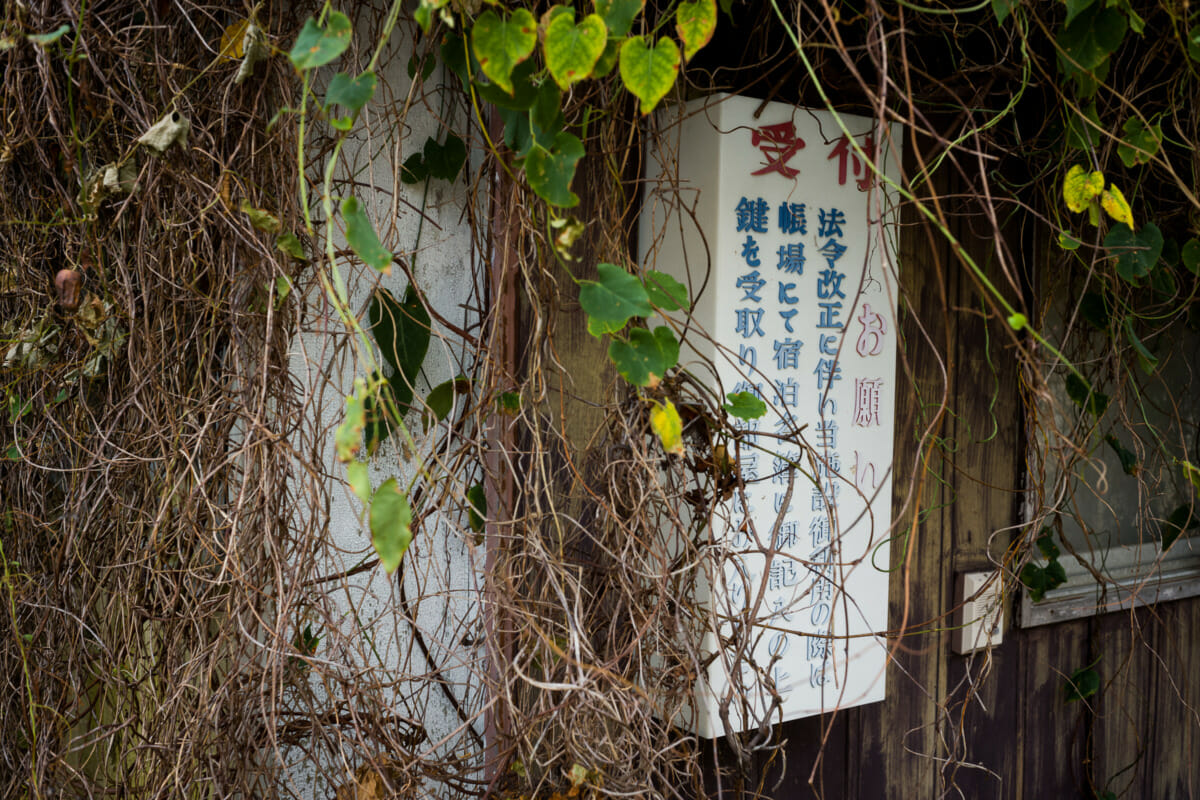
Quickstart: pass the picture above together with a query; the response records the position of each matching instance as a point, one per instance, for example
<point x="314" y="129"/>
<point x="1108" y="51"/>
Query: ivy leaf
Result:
<point x="317" y="46"/>
<point x="289" y="243"/>
<point x="615" y="297"/>
<point x="360" y="235"/>
<point x="695" y="21"/>
<point x="525" y="91"/>
<point x="1174" y="526"/>
<point x="1190" y="256"/>
<point x="1116" y="206"/>
<point x="1083" y="683"/>
<point x="402" y="332"/>
<point x="546" y="120"/>
<point x="1147" y="360"/>
<point x="441" y="399"/>
<point x="1093" y="309"/>
<point x="745" y="405"/>
<point x="350" y="93"/>
<point x="264" y="221"/>
<point x="348" y="438"/>
<point x="645" y="358"/>
<point x="1074" y="7"/>
<point x="1136" y="253"/>
<point x="1192" y="473"/>
<point x="573" y="50"/>
<point x="445" y="160"/>
<point x="608" y="59"/>
<point x="1081" y="187"/>
<point x="1084" y="396"/>
<point x="1193" y="43"/>
<point x="599" y="328"/>
<point x="666" y="292"/>
<point x="360" y="482"/>
<point x="550" y="172"/>
<point x="500" y="45"/>
<point x="1068" y="242"/>
<point x="1046" y="545"/>
<point x="477" y="508"/>
<point x="1091" y="38"/>
<point x="649" y="72"/>
<point x="1129" y="460"/>
<point x="390" y="521"/>
<point x="390" y="393"/>
<point x="619" y="15"/>
<point x="665" y="421"/>
<point x="1139" y="143"/>
<point x="1003" y="9"/>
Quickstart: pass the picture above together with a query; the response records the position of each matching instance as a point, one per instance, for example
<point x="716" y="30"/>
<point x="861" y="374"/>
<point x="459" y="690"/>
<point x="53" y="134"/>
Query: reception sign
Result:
<point x="782" y="230"/>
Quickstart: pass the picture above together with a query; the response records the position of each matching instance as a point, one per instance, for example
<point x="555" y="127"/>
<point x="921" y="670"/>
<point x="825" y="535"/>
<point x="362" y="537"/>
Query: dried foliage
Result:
<point x="184" y="611"/>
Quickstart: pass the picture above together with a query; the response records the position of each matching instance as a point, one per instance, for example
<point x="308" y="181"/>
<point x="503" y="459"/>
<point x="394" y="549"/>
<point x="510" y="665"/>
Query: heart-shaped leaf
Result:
<point x="619" y="14"/>
<point x="665" y="421"/>
<point x="1190" y="256"/>
<point x="1080" y="187"/>
<point x="615" y="297"/>
<point x="573" y="50"/>
<point x="646" y="357"/>
<point x="525" y="91"/>
<point x="744" y="405"/>
<point x="317" y="46"/>
<point x="550" y="172"/>
<point x="666" y="292"/>
<point x="1136" y="253"/>
<point x="1116" y="206"/>
<point x="695" y="21"/>
<point x="649" y="72"/>
<point x="477" y="510"/>
<point x="402" y="332"/>
<point x="350" y="93"/>
<point x="1139" y="143"/>
<point x="501" y="44"/>
<point x="390" y="519"/>
<point x="360" y="235"/>
<point x="1092" y="37"/>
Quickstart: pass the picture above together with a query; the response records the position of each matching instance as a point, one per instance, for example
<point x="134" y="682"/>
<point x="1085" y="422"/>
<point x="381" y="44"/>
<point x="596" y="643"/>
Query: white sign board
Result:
<point x="783" y="233"/>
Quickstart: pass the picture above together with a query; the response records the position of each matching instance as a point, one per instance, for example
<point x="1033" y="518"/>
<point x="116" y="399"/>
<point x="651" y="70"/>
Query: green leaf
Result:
<point x="1091" y="37"/>
<point x="665" y="292"/>
<point x="1085" y="397"/>
<point x="343" y="124"/>
<point x="508" y="402"/>
<point x="599" y="328"/>
<point x="402" y="331"/>
<point x="1129" y="460"/>
<point x="695" y="21"/>
<point x="619" y="15"/>
<point x="348" y="438"/>
<point x="317" y="46"/>
<point x="1068" y="242"/>
<point x="1083" y="683"/>
<point x="421" y="62"/>
<point x="550" y="172"/>
<point x="608" y="59"/>
<point x="50" y="38"/>
<point x="525" y="91"/>
<point x="391" y="396"/>
<point x="615" y="297"/>
<point x="445" y="160"/>
<point x="1039" y="580"/>
<point x="350" y="93"/>
<point x="665" y="421"/>
<point x="1003" y="9"/>
<point x="646" y="356"/>
<point x="1093" y="309"/>
<point x="502" y="44"/>
<point x="546" y="120"/>
<point x="360" y="235"/>
<point x="456" y="54"/>
<point x="1074" y="7"/>
<point x="1147" y="360"/>
<point x="518" y="135"/>
<point x="1191" y="472"/>
<point x="1136" y="253"/>
<point x="290" y="244"/>
<point x="1183" y="518"/>
<point x="1017" y="321"/>
<point x="573" y="50"/>
<point x="360" y="482"/>
<point x="1046" y="545"/>
<point x="441" y="399"/>
<point x="1189" y="255"/>
<point x="1139" y="142"/>
<point x="414" y="170"/>
<point x="477" y="508"/>
<point x="390" y="521"/>
<point x="745" y="405"/>
<point x="1193" y="43"/>
<point x="265" y="221"/>
<point x="649" y="73"/>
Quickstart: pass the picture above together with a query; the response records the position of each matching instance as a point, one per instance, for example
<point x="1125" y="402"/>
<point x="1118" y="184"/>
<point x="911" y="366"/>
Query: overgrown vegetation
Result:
<point x="192" y="198"/>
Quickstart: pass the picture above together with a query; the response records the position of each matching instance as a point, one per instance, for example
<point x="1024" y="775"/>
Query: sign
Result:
<point x="781" y="227"/>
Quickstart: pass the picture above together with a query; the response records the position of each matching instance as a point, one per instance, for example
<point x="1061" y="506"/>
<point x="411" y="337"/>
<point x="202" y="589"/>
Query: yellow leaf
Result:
<point x="665" y="421"/>
<point x="1081" y="187"/>
<point x="1116" y="206"/>
<point x="232" y="40"/>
